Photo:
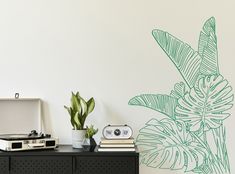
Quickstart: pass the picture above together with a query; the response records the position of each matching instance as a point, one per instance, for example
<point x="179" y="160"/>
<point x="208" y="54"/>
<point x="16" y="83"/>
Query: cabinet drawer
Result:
<point x="41" y="165"/>
<point x="104" y="165"/>
<point x="4" y="165"/>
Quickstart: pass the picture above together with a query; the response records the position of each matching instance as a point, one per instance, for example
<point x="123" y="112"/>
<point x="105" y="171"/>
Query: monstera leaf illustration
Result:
<point x="161" y="103"/>
<point x="206" y="108"/>
<point x="167" y="144"/>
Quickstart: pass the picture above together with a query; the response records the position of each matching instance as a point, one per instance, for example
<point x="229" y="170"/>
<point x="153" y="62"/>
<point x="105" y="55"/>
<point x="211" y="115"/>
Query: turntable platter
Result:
<point x="17" y="137"/>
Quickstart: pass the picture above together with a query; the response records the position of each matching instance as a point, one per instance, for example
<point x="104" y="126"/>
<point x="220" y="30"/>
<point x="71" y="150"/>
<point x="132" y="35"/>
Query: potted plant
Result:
<point x="89" y="143"/>
<point x="78" y="111"/>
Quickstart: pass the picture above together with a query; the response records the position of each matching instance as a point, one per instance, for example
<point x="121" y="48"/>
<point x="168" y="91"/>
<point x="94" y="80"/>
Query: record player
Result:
<point x="21" y="125"/>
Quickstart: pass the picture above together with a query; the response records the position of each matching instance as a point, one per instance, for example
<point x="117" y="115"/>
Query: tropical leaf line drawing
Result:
<point x="196" y="109"/>
<point x="167" y="144"/>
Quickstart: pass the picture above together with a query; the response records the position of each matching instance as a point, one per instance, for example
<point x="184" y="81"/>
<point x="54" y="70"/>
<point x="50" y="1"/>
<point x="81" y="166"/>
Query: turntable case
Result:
<point x="20" y="116"/>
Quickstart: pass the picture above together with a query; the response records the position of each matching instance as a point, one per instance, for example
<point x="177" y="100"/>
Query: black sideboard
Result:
<point x="66" y="160"/>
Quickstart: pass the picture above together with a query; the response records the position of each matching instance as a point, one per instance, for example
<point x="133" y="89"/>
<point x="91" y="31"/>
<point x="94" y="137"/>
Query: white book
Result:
<point x="117" y="141"/>
<point x="117" y="145"/>
<point x="100" y="149"/>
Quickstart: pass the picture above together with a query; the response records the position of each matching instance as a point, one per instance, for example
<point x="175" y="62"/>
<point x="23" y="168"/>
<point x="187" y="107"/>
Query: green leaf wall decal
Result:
<point x="167" y="144"/>
<point x="192" y="138"/>
<point x="207" y="48"/>
<point x="219" y="136"/>
<point x="206" y="109"/>
<point x="186" y="60"/>
<point x="161" y="103"/>
<point x="179" y="90"/>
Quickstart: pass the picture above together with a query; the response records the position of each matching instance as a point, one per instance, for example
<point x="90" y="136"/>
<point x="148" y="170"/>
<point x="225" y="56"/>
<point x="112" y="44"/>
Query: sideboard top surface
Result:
<point x="67" y="150"/>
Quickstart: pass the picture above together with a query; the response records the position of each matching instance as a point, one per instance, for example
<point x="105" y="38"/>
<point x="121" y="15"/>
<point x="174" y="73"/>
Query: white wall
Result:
<point x="103" y="49"/>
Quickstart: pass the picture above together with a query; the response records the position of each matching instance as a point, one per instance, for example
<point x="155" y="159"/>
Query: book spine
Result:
<point x="116" y="142"/>
<point x="117" y="145"/>
<point x="116" y="149"/>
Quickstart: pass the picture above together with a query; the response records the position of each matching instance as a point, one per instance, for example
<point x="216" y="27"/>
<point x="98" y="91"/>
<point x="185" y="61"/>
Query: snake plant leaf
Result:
<point x="70" y="111"/>
<point x="73" y="123"/>
<point x="77" y="93"/>
<point x="90" y="105"/>
<point x="206" y="109"/>
<point x="162" y="103"/>
<point x="77" y="121"/>
<point x="75" y="103"/>
<point x="179" y="90"/>
<point x="166" y="144"/>
<point x="186" y="60"/>
<point x="207" y="48"/>
<point x="82" y="104"/>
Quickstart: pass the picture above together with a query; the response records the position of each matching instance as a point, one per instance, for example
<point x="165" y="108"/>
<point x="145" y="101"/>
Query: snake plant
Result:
<point x="79" y="110"/>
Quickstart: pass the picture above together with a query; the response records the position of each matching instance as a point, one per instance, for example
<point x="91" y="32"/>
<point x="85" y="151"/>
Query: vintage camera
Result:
<point x="117" y="132"/>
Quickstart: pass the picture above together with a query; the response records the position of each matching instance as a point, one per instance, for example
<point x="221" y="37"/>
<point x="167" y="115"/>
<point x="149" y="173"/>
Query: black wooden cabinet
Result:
<point x="66" y="160"/>
<point x="105" y="165"/>
<point x="41" y="164"/>
<point x="4" y="165"/>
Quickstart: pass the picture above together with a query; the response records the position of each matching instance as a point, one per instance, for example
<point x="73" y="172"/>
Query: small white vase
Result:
<point x="78" y="137"/>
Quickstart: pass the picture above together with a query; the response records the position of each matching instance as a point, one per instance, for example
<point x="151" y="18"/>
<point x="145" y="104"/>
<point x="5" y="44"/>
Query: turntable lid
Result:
<point x="20" y="115"/>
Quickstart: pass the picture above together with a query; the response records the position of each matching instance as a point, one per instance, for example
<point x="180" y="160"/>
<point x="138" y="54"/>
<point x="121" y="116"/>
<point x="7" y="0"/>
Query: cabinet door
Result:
<point x="41" y="165"/>
<point x="105" y="165"/>
<point x="4" y="165"/>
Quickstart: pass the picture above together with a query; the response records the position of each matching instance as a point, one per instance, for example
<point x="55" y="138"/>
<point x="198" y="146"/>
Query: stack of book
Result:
<point x="117" y="145"/>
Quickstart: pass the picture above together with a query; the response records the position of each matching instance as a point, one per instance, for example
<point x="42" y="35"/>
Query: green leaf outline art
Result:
<point x="180" y="89"/>
<point x="200" y="103"/>
<point x="206" y="110"/>
<point x="162" y="103"/>
<point x="207" y="48"/>
<point x="186" y="60"/>
<point x="168" y="145"/>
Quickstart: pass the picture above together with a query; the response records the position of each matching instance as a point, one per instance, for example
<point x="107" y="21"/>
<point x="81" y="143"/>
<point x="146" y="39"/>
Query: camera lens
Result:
<point x="117" y="132"/>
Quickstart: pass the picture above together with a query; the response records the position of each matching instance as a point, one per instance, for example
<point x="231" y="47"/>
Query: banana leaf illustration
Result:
<point x="186" y="60"/>
<point x="200" y="103"/>
<point x="207" y="49"/>
<point x="162" y="103"/>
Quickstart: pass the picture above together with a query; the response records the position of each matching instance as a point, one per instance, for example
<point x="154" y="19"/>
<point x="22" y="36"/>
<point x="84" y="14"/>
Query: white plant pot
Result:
<point x="78" y="137"/>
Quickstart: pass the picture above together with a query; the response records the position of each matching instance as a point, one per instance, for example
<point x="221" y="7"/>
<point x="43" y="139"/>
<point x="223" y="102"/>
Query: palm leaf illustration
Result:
<point x="207" y="48"/>
<point x="167" y="144"/>
<point x="161" y="103"/>
<point x="186" y="60"/>
<point x="206" y="109"/>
